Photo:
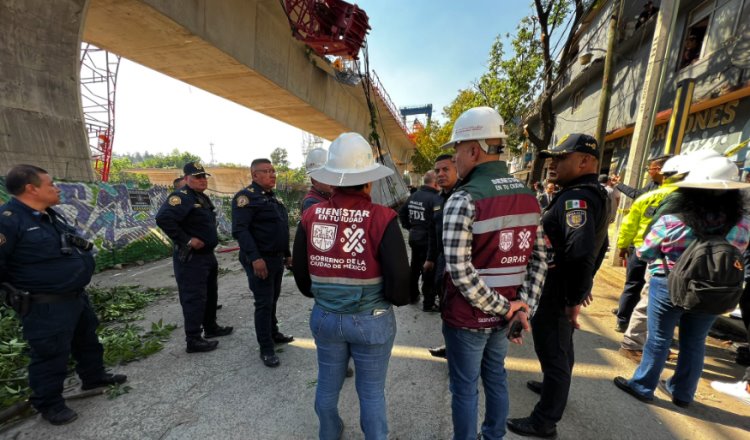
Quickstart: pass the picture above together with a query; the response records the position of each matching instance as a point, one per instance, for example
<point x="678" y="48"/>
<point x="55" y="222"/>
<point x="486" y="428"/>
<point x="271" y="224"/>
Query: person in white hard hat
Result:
<point x="350" y="256"/>
<point x="708" y="202"/>
<point x="643" y="212"/>
<point x="319" y="191"/>
<point x="495" y="260"/>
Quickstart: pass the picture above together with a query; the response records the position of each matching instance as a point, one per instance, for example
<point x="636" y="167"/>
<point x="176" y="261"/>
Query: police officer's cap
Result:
<point x="573" y="143"/>
<point x="194" y="169"/>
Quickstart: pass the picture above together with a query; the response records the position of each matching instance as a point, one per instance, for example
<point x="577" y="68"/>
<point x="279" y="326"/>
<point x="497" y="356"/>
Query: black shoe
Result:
<point x="620" y="327"/>
<point x="623" y="384"/>
<point x="59" y="416"/>
<point x="438" y="352"/>
<point x="201" y="345"/>
<point x="431" y="309"/>
<point x="527" y="428"/>
<point x="281" y="338"/>
<point x="218" y="331"/>
<point x="349" y="372"/>
<point x="662" y="385"/>
<point x="270" y="360"/>
<point x="535" y="386"/>
<point x="106" y="380"/>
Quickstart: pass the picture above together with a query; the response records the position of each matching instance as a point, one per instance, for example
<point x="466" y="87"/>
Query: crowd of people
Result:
<point x="496" y="260"/>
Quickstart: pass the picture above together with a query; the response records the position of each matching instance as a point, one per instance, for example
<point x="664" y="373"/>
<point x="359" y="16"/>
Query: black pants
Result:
<point x="197" y="282"/>
<point x="631" y="293"/>
<point x="418" y="257"/>
<point x="54" y="332"/>
<point x="553" y="343"/>
<point x="266" y="295"/>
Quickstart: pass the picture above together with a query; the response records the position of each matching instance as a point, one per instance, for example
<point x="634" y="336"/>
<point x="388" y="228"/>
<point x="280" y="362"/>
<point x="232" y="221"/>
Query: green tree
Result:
<point x="551" y="17"/>
<point x="175" y="159"/>
<point x="118" y="173"/>
<point x="279" y="158"/>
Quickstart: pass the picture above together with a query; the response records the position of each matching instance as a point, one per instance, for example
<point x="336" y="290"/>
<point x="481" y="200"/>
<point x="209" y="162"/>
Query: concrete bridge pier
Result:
<point x="40" y="107"/>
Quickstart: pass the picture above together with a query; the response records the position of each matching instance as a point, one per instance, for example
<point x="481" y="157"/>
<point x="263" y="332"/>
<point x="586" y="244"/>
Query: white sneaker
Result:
<point x="735" y="389"/>
<point x="736" y="313"/>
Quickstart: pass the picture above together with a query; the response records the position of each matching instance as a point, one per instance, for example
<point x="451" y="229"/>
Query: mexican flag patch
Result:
<point x="575" y="204"/>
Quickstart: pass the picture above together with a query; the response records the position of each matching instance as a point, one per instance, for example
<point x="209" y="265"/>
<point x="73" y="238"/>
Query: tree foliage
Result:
<point x="279" y="158"/>
<point x="551" y="16"/>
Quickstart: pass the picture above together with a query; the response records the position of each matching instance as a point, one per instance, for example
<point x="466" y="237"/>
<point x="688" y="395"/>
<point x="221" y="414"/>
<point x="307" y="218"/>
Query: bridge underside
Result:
<point x="241" y="50"/>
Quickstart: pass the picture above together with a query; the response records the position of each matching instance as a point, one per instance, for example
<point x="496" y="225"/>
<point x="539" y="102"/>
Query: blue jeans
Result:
<point x="368" y="339"/>
<point x="471" y="355"/>
<point x="663" y="317"/>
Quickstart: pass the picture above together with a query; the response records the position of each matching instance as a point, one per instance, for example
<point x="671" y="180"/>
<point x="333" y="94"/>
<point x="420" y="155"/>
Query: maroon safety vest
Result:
<point x="504" y="231"/>
<point x="344" y="235"/>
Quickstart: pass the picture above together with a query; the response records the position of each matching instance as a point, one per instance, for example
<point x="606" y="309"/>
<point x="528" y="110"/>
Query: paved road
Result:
<point x="229" y="394"/>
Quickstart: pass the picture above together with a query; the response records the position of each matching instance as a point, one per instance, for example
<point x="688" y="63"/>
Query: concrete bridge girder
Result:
<point x="241" y="50"/>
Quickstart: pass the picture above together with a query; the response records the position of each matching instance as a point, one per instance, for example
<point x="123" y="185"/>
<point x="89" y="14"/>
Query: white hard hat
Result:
<point x="477" y="124"/>
<point x="316" y="158"/>
<point x="350" y="162"/>
<point x="677" y="167"/>
<point x="713" y="173"/>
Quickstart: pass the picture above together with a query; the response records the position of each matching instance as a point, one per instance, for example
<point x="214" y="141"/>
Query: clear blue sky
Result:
<point x="423" y="51"/>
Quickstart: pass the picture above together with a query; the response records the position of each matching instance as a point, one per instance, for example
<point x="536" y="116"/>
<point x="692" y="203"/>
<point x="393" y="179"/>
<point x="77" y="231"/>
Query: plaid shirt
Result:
<point x="459" y="215"/>
<point x="669" y="237"/>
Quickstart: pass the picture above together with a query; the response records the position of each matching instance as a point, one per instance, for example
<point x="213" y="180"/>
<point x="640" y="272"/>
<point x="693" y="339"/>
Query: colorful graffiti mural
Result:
<point x="104" y="215"/>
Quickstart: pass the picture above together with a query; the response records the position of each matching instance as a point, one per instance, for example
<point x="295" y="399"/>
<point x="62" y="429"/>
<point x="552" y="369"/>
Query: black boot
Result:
<point x="106" y="380"/>
<point x="217" y="331"/>
<point x="60" y="416"/>
<point x="200" y="345"/>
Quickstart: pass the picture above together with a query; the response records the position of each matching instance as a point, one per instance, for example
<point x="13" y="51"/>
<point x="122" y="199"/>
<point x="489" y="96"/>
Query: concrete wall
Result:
<point x="41" y="121"/>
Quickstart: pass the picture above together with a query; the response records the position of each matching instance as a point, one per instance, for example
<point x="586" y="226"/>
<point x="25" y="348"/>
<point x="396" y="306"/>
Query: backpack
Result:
<point x="707" y="277"/>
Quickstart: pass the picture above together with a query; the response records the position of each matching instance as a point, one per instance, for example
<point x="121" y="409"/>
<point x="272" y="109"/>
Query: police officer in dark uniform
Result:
<point x="415" y="216"/>
<point x="576" y="225"/>
<point x="447" y="179"/>
<point x="44" y="267"/>
<point x="260" y="223"/>
<point x="188" y="217"/>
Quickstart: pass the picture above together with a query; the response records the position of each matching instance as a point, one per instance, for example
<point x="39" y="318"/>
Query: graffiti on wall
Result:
<point x="104" y="215"/>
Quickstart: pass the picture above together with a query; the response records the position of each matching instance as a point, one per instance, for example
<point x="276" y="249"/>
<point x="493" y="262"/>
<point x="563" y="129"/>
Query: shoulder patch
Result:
<point x="575" y="218"/>
<point x="175" y="200"/>
<point x="242" y="201"/>
<point x="575" y="204"/>
<point x="2" y="239"/>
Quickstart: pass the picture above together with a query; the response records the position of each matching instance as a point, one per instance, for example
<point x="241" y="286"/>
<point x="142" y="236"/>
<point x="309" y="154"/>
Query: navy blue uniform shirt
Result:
<point x="576" y="224"/>
<point x="187" y="214"/>
<point x="31" y="258"/>
<point x="416" y="214"/>
<point x="260" y="223"/>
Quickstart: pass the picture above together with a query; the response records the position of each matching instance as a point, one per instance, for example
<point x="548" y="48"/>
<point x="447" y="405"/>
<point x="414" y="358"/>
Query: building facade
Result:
<point x="710" y="44"/>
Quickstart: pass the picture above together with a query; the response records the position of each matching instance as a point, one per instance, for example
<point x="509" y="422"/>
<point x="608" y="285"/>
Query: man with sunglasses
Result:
<point x="188" y="217"/>
<point x="260" y="223"/>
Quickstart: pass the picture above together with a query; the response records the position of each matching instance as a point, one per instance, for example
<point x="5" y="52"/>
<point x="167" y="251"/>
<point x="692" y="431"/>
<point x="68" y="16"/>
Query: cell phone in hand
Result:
<point x="515" y="330"/>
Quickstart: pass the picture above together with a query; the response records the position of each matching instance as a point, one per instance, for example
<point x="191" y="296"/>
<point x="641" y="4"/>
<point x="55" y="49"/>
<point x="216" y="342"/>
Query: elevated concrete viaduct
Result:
<point x="241" y="50"/>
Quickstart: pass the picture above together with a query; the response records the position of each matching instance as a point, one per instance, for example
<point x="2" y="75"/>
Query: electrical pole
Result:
<point x="653" y="82"/>
<point x="211" y="144"/>
<point x="607" y="78"/>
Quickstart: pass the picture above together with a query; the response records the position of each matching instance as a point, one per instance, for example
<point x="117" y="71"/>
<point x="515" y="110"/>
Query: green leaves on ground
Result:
<point x="120" y="302"/>
<point x="123" y="342"/>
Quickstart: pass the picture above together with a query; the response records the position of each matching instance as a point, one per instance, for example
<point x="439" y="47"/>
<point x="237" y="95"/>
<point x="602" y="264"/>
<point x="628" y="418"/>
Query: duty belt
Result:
<point x="272" y="254"/>
<point x="48" y="298"/>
